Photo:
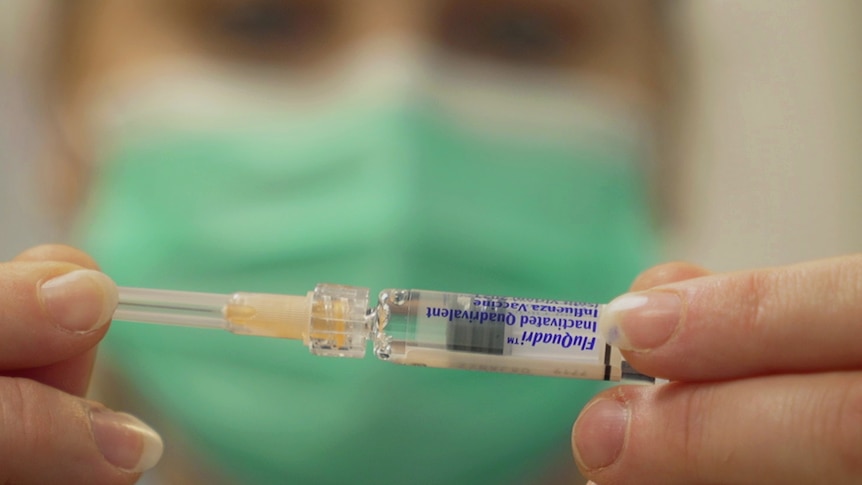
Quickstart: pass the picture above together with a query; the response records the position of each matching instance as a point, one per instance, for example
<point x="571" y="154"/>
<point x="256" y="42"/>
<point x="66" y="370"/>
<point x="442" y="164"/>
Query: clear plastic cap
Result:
<point x="340" y="320"/>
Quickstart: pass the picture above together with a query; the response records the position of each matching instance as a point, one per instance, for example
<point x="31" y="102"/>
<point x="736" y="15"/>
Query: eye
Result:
<point x="286" y="31"/>
<point x="514" y="32"/>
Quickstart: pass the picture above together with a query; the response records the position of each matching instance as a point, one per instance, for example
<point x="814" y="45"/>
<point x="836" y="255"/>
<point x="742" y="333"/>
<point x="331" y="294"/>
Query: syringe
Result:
<point x="332" y="320"/>
<point x="411" y="327"/>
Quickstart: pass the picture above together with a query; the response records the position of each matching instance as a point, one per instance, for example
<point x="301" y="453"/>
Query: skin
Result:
<point x="781" y="405"/>
<point x="47" y="436"/>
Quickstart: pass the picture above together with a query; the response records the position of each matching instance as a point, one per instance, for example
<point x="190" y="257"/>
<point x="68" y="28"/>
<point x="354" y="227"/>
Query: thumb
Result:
<point x="53" y="437"/>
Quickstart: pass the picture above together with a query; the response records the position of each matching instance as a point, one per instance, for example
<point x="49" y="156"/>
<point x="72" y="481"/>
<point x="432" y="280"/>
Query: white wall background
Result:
<point x="771" y="150"/>
<point x="772" y="145"/>
<point x="24" y="218"/>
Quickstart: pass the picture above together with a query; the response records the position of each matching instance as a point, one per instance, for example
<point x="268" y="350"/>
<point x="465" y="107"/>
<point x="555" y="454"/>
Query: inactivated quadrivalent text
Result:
<point x="511" y="319"/>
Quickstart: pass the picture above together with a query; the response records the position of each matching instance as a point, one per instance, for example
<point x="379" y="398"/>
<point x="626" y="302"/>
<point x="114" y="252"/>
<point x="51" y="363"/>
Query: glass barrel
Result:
<point x="493" y="333"/>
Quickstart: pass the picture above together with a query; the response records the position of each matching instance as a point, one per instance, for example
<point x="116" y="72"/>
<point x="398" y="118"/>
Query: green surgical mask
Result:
<point x="203" y="188"/>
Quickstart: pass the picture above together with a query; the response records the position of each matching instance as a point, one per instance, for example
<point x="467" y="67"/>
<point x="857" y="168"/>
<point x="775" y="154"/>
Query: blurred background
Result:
<point x="768" y="137"/>
<point x="266" y="145"/>
<point x="767" y="132"/>
<point x="24" y="214"/>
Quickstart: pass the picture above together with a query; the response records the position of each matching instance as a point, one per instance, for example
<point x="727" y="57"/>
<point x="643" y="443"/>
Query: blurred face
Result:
<point x="489" y="146"/>
<point x="612" y="40"/>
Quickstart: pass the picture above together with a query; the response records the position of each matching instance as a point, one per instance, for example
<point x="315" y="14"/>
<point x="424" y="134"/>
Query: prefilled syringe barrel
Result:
<point x="492" y="333"/>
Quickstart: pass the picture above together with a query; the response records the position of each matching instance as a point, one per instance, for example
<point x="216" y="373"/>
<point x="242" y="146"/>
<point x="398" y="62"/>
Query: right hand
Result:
<point x="766" y="379"/>
<point x="54" y="308"/>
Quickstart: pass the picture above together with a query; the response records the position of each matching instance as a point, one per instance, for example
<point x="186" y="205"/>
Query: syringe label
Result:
<point x="565" y="341"/>
<point x="515" y="326"/>
<point x="564" y="323"/>
<point x="475" y="330"/>
<point x="471" y="316"/>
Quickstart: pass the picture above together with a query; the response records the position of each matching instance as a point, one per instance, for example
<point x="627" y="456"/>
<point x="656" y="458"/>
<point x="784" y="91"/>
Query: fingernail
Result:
<point x="79" y="301"/>
<point x="599" y="434"/>
<point x="125" y="441"/>
<point x="640" y="321"/>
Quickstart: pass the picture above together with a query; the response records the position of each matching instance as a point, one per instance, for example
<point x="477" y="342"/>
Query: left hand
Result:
<point x="55" y="307"/>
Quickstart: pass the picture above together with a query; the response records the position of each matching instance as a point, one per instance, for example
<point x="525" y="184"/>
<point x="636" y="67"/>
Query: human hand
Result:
<point x="767" y="379"/>
<point x="54" y="309"/>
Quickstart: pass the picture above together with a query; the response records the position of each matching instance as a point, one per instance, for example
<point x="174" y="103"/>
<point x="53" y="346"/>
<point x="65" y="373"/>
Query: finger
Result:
<point x="801" y="318"/>
<point x="50" y="312"/>
<point x="57" y="252"/>
<point x="71" y="375"/>
<point x="775" y="429"/>
<point x="667" y="273"/>
<point x="52" y="437"/>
